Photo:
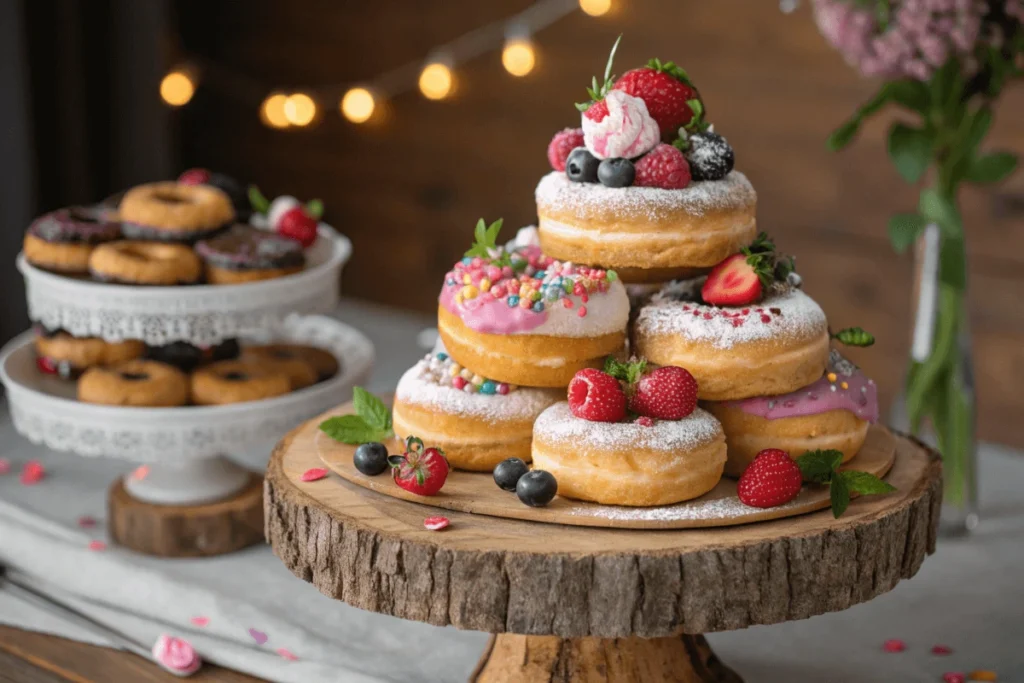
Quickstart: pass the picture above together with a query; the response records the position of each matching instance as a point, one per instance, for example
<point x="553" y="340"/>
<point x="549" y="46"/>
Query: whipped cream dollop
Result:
<point x="627" y="131"/>
<point x="176" y="655"/>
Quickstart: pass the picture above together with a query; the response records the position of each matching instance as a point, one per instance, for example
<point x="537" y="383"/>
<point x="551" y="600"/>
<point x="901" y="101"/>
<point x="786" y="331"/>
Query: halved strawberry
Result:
<point x="733" y="282"/>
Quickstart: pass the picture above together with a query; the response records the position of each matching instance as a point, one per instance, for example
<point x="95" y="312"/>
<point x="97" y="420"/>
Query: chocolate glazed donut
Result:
<point x="63" y="240"/>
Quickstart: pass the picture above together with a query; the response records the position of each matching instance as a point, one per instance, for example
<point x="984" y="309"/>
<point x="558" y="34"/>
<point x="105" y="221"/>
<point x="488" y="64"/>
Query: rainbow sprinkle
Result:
<point x="443" y="370"/>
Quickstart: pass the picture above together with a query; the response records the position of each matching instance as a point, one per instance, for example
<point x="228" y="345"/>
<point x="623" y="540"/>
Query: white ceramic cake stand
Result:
<point x="187" y="499"/>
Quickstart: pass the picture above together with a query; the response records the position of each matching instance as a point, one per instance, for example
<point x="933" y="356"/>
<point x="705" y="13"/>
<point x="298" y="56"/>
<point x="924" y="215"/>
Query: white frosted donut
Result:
<point x="772" y="347"/>
<point x="627" y="463"/>
<point x="476" y="421"/>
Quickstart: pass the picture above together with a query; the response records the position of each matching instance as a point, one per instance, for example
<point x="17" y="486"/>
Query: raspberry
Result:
<point x="665" y="167"/>
<point x="562" y="145"/>
<point x="596" y="396"/>
<point x="773" y="478"/>
<point x="667" y="393"/>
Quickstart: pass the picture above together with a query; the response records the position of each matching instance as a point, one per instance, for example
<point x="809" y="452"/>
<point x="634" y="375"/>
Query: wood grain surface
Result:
<point x="477" y="493"/>
<point x="502" y="575"/>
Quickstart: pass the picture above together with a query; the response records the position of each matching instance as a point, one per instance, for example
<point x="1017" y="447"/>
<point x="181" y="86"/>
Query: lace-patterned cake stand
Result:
<point x="595" y="605"/>
<point x="186" y="499"/>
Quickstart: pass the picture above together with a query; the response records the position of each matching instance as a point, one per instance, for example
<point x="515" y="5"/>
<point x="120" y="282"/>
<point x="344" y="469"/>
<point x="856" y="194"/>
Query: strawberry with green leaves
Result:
<point x="742" y="278"/>
<point x="288" y="217"/>
<point x="419" y="470"/>
<point x="664" y="393"/>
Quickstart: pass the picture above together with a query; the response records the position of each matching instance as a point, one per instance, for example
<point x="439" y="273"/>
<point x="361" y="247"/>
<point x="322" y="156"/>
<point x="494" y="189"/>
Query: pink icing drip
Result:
<point x="861" y="399"/>
<point x="489" y="315"/>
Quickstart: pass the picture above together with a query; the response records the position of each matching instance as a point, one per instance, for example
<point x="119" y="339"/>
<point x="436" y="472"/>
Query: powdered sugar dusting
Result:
<point x="556" y="193"/>
<point x="558" y="424"/>
<point x="676" y="309"/>
<point x="719" y="505"/>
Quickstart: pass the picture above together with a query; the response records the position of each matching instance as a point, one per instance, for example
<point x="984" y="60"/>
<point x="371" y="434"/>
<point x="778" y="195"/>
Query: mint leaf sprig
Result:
<point x="629" y="372"/>
<point x="854" y="336"/>
<point x="767" y="262"/>
<point x="371" y="421"/>
<point x="822" y="467"/>
<point x="597" y="91"/>
<point x="486" y="243"/>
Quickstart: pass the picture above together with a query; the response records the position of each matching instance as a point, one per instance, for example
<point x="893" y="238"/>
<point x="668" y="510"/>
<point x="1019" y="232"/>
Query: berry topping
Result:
<point x="627" y="131"/>
<point x="666" y="393"/>
<point x="194" y="176"/>
<point x="772" y="479"/>
<point x="47" y="366"/>
<point x="597" y="111"/>
<point x="664" y="166"/>
<point x="562" y="145"/>
<point x="733" y="282"/>
<point x="667" y="91"/>
<point x="288" y="217"/>
<point x="710" y="156"/>
<point x="508" y="473"/>
<point x="435" y="523"/>
<point x="595" y="108"/>
<point x="616" y="172"/>
<point x="299" y="225"/>
<point x="581" y="166"/>
<point x="371" y="458"/>
<point x="537" y="488"/>
<point x="596" y="396"/>
<point x="419" y="470"/>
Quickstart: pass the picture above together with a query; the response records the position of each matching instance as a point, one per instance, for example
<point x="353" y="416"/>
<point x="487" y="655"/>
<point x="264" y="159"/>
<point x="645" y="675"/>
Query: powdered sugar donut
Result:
<point x="772" y="347"/>
<point x="524" y="318"/>
<point x="832" y="413"/>
<point x="477" y="422"/>
<point x="646" y="234"/>
<point x="627" y="463"/>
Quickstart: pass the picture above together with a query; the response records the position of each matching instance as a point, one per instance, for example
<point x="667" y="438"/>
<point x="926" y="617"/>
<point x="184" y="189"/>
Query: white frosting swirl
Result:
<point x="627" y="131"/>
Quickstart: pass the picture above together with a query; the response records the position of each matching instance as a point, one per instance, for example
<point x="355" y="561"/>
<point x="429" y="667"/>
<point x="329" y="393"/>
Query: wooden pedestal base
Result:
<point x="214" y="528"/>
<point x="549" y="659"/>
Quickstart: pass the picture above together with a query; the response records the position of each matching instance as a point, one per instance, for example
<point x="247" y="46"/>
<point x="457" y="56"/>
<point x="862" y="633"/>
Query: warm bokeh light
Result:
<point x="272" y="111"/>
<point x="595" y="8"/>
<point x="436" y="81"/>
<point x="357" y="105"/>
<point x="518" y="57"/>
<point x="177" y="88"/>
<point x="299" y="109"/>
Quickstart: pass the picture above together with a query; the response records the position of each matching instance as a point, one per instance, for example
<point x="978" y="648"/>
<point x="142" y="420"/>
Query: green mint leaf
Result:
<point x="371" y="409"/>
<point x="259" y="203"/>
<point x="352" y="429"/>
<point x="819" y="466"/>
<point x="904" y="229"/>
<point x="992" y="168"/>
<point x="865" y="483"/>
<point x="910" y="150"/>
<point x="843" y="135"/>
<point x="839" y="492"/>
<point x="854" y="336"/>
<point x="480" y="232"/>
<point x="315" y="208"/>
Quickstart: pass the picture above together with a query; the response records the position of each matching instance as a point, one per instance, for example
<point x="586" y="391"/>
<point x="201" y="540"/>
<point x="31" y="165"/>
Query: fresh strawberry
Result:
<point x="597" y="111"/>
<point x="194" y="176"/>
<point x="664" y="166"/>
<point x="667" y="393"/>
<point x="422" y="471"/>
<point x="596" y="396"/>
<point x="667" y="91"/>
<point x="733" y="282"/>
<point x="773" y="478"/>
<point x="596" y="108"/>
<point x="562" y="144"/>
<point x="299" y="225"/>
<point x="47" y="366"/>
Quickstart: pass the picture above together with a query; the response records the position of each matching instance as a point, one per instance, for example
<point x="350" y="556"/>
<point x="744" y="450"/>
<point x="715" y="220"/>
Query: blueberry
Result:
<point x="536" y="488"/>
<point x="508" y="472"/>
<point x="581" y="166"/>
<point x="181" y="355"/>
<point x="371" y="458"/>
<point x="710" y="156"/>
<point x="616" y="172"/>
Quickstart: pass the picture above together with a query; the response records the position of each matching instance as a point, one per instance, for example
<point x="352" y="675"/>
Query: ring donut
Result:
<point x="174" y="212"/>
<point x="324" y="364"/>
<point x="134" y="383"/>
<point x="63" y="240"/>
<point x="246" y="254"/>
<point x="68" y="357"/>
<point x="237" y="381"/>
<point x="145" y="263"/>
<point x="773" y="347"/>
<point x="299" y="371"/>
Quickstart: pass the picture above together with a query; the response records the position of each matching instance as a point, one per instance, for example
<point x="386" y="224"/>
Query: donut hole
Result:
<point x="165" y="197"/>
<point x="235" y="376"/>
<point x="284" y="354"/>
<point x="134" y="376"/>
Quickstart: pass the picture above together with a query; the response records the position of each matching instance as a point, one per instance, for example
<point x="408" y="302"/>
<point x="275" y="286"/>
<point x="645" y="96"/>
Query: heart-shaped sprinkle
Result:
<point x="313" y="474"/>
<point x="97" y="545"/>
<point x="140" y="472"/>
<point x="953" y="677"/>
<point x="86" y="522"/>
<point x="200" y="621"/>
<point x="436" y="523"/>
<point x="942" y="650"/>
<point x="894" y="645"/>
<point x="287" y="654"/>
<point x="5" y="466"/>
<point x="259" y="636"/>
<point x="32" y="473"/>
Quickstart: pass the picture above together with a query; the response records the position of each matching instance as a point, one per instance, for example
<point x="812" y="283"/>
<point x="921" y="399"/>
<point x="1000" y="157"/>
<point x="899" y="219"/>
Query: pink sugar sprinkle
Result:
<point x="942" y="650"/>
<point x="645" y="421"/>
<point x="894" y="645"/>
<point x="567" y="302"/>
<point x="140" y="472"/>
<point x="708" y="316"/>
<point x="5" y="466"/>
<point x="765" y="318"/>
<point x="86" y="522"/>
<point x="32" y="472"/>
<point x="314" y="474"/>
<point x="458" y="382"/>
<point x="435" y="523"/>
<point x="97" y="546"/>
<point x="953" y="677"/>
<point x="582" y="312"/>
<point x="200" y="621"/>
<point x="503" y="389"/>
<point x="286" y="654"/>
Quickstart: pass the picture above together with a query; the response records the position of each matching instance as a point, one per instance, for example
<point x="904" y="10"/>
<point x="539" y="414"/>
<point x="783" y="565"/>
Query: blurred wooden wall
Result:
<point x="408" y="190"/>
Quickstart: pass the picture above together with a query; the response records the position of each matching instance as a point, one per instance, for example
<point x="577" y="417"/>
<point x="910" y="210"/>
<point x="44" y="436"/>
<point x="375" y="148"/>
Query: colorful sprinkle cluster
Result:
<point x="528" y="279"/>
<point x="443" y="370"/>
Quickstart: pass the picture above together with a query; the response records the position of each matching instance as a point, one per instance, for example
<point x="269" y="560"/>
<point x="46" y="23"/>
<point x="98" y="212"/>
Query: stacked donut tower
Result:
<point x="585" y="343"/>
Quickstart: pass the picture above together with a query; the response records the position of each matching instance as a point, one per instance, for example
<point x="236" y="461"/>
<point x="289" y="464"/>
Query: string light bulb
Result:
<point x="596" y="8"/>
<point x="299" y="109"/>
<point x="272" y="110"/>
<point x="357" y="105"/>
<point x="518" y="56"/>
<point x="177" y="88"/>
<point x="436" y="80"/>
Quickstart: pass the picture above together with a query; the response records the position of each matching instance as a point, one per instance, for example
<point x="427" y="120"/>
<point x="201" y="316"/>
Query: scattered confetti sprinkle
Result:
<point x="32" y="473"/>
<point x="894" y="645"/>
<point x="313" y="474"/>
<point x="86" y="522"/>
<point x="942" y="650"/>
<point x="259" y="636"/>
<point x="140" y="472"/>
<point x="436" y="523"/>
<point x="953" y="677"/>
<point x="97" y="545"/>
<point x="982" y="675"/>
<point x="200" y="621"/>
<point x="5" y="466"/>
<point x="287" y="654"/>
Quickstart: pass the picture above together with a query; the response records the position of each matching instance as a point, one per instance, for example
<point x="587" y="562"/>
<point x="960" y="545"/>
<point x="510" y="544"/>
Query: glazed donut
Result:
<point x="63" y="240"/>
<point x="626" y="463"/>
<point x="832" y="413"/>
<point x="512" y="326"/>
<point x="287" y="359"/>
<point x="134" y="383"/>
<point x="773" y="347"/>
<point x="237" y="381"/>
<point x="246" y="254"/>
<point x="173" y="212"/>
<point x="68" y="357"/>
<point x="145" y="263"/>
<point x="477" y="422"/>
<point x="323" y="362"/>
<point x="646" y="234"/>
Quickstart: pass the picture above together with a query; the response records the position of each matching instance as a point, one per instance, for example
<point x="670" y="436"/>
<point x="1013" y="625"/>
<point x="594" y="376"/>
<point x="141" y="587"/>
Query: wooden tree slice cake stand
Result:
<point x="597" y="604"/>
